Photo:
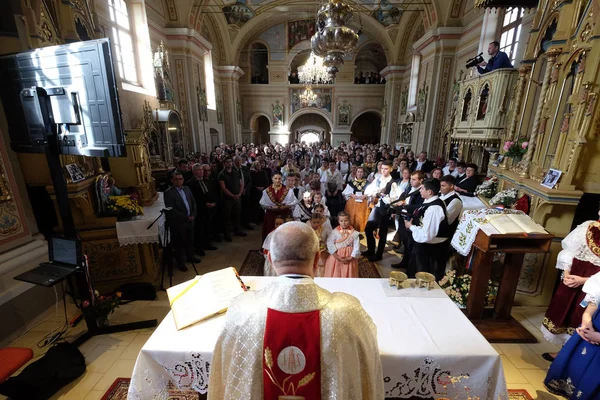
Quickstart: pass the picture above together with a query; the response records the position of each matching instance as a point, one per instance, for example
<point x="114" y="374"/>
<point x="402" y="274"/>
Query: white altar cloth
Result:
<point x="136" y="231"/>
<point x="428" y="347"/>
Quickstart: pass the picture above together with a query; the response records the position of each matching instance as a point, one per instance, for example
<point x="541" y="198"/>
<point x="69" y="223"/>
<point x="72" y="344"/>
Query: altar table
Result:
<point x="428" y="348"/>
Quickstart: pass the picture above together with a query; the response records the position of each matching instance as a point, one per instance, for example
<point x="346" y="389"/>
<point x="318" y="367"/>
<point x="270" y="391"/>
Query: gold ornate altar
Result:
<point x="555" y="109"/>
<point x="481" y="116"/>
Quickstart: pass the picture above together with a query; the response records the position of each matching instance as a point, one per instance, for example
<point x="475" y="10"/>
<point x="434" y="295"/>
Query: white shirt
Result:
<point x="343" y="167"/>
<point x="377" y="185"/>
<point x="427" y="232"/>
<point x="446" y="171"/>
<point x="453" y="209"/>
<point x="266" y="203"/>
<point x="420" y="165"/>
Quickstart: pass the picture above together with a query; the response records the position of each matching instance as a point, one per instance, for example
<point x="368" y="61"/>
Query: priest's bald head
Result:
<point x="294" y="249"/>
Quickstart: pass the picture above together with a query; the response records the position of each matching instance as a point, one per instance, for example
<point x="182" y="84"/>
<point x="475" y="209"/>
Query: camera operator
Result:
<point x="430" y="231"/>
<point x="499" y="59"/>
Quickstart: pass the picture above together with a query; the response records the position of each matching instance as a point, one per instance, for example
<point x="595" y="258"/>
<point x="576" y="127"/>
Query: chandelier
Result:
<point x="308" y="96"/>
<point x="313" y="71"/>
<point x="333" y="38"/>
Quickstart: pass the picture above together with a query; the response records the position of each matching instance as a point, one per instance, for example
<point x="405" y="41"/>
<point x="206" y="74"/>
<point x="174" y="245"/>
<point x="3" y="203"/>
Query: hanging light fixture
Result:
<point x="308" y="96"/>
<point x="333" y="37"/>
<point x="313" y="71"/>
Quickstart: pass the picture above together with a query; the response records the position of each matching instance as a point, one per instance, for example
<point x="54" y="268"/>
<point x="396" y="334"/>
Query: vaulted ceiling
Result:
<point x="231" y="25"/>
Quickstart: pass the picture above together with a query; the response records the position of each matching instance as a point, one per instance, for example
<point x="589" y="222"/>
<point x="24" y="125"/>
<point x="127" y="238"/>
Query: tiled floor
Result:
<point x="112" y="356"/>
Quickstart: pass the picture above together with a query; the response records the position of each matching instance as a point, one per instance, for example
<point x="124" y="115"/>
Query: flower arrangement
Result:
<point x="102" y="306"/>
<point x="515" y="149"/>
<point x="507" y="198"/>
<point x="457" y="288"/>
<point x="488" y="188"/>
<point x="125" y="205"/>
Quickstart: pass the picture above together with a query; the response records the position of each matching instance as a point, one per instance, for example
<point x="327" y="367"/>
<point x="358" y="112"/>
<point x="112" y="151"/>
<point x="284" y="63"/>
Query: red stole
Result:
<point x="292" y="355"/>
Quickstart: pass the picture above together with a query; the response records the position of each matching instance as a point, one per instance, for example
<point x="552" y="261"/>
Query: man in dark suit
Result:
<point x="467" y="185"/>
<point x="412" y="201"/>
<point x="499" y="59"/>
<point x="246" y="178"/>
<point x="423" y="164"/>
<point x="180" y="220"/>
<point x="204" y="206"/>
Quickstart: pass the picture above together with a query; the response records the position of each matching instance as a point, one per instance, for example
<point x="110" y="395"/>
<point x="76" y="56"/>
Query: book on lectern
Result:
<point x="514" y="223"/>
<point x="204" y="296"/>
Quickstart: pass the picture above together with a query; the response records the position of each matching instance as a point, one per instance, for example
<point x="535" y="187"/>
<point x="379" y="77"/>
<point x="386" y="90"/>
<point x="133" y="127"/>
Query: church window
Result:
<point x="510" y="32"/>
<point x="123" y="41"/>
<point x="414" y="80"/>
<point x="211" y="98"/>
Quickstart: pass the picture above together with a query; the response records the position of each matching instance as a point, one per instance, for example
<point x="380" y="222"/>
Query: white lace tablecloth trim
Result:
<point x="470" y="222"/>
<point x="124" y="241"/>
<point x="136" y="231"/>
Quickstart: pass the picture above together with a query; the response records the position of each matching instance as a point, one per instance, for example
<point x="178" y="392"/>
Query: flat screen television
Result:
<point x="69" y="91"/>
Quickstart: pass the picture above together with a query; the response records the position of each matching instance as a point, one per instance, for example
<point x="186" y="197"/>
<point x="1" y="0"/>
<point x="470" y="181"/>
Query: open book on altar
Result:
<point x="204" y="296"/>
<point x="514" y="223"/>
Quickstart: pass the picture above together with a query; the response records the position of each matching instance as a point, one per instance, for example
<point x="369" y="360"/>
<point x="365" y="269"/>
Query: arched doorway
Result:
<point x="311" y="122"/>
<point x="309" y="137"/>
<point x="260" y="126"/>
<point x="366" y="128"/>
<point x="214" y="138"/>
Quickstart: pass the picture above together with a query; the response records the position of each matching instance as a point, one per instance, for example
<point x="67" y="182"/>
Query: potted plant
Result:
<point x="516" y="150"/>
<point x="125" y="207"/>
<point x="506" y="198"/>
<point x="488" y="188"/>
<point x="102" y="306"/>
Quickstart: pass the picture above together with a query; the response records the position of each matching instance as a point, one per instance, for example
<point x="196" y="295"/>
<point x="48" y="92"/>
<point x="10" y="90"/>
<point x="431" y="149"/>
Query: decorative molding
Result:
<point x="181" y="90"/>
<point x="455" y="9"/>
<point x="441" y="105"/>
<point x="172" y="10"/>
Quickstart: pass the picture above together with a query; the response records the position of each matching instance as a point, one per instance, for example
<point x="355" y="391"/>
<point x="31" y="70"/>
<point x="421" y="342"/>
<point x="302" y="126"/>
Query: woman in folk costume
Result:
<point x="276" y="200"/>
<point x="268" y="268"/>
<point x="343" y="244"/>
<point x="303" y="210"/>
<point x="575" y="372"/>
<point x="357" y="204"/>
<point x="579" y="259"/>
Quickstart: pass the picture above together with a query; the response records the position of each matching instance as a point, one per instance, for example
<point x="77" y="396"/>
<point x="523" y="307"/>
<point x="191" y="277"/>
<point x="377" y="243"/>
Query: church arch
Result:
<point x="260" y="125"/>
<point x="366" y="127"/>
<point x="310" y="121"/>
<point x="311" y="110"/>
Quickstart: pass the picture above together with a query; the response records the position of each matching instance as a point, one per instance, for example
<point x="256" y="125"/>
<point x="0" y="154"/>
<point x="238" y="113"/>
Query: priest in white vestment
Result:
<point x="294" y="338"/>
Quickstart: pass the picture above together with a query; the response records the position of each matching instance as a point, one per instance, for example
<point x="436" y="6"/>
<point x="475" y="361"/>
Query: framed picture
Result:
<point x="75" y="172"/>
<point x="498" y="160"/>
<point x="551" y="178"/>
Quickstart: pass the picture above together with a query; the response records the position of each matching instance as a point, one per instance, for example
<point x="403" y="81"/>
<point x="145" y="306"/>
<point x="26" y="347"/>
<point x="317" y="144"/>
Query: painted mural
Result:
<point x="238" y="13"/>
<point x="387" y="14"/>
<point x="299" y="31"/>
<point x="322" y="101"/>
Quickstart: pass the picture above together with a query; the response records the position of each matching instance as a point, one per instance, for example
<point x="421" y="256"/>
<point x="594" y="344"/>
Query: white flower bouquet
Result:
<point x="488" y="188"/>
<point x="457" y="288"/>
<point x="507" y="198"/>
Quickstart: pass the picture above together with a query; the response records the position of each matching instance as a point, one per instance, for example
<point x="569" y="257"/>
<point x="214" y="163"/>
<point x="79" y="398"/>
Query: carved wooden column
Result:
<point x="536" y="131"/>
<point x="518" y="102"/>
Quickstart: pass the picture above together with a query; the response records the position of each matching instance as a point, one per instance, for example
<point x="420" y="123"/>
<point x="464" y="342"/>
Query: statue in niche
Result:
<point x="162" y="75"/>
<point x="219" y="110"/>
<point x="277" y="113"/>
<point x="466" y="106"/>
<point x="202" y="102"/>
<point x="344" y="114"/>
<point x="422" y="103"/>
<point x="404" y="100"/>
<point x="483" y="102"/>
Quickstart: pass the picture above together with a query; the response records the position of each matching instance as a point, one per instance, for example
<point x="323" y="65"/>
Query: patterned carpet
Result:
<point x="254" y="262"/>
<point x="118" y="391"/>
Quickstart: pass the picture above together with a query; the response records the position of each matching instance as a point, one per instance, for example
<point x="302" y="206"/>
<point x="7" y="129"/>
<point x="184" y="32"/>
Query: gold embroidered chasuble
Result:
<point x="350" y="362"/>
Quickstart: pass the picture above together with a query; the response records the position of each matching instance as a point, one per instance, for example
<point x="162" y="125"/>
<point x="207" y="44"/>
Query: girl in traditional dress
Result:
<point x="357" y="205"/>
<point x="375" y="174"/>
<point x="319" y="208"/>
<point x="303" y="210"/>
<point x="575" y="371"/>
<point x="343" y="244"/>
<point x="276" y="200"/>
<point x="268" y="268"/>
<point x="317" y="222"/>
<point x="579" y="259"/>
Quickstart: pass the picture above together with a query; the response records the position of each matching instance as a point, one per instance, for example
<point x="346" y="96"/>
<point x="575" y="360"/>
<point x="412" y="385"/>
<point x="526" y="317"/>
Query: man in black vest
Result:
<point x="452" y="201"/>
<point x="430" y="230"/>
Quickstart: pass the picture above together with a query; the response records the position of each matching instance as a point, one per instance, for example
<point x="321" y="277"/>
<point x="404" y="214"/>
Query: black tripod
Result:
<point x="166" y="262"/>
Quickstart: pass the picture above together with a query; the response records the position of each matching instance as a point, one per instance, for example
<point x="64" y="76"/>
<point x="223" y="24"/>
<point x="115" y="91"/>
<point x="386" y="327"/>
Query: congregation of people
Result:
<point x="343" y="193"/>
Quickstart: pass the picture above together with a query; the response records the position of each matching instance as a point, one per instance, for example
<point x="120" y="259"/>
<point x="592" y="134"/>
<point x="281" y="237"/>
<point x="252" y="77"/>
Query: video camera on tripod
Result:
<point x="473" y="62"/>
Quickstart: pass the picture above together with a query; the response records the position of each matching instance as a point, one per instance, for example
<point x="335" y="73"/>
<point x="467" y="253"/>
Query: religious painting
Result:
<point x="299" y="31"/>
<point x="387" y="14"/>
<point x="238" y="13"/>
<point x="551" y="178"/>
<point x="483" y="102"/>
<point x="75" y="172"/>
<point x="4" y="190"/>
<point x="422" y="103"/>
<point x="202" y="103"/>
<point x="322" y="100"/>
<point x="344" y="114"/>
<point x="277" y="113"/>
<point x="219" y="110"/>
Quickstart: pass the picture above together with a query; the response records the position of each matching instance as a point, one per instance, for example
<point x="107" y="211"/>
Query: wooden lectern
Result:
<point x="501" y="327"/>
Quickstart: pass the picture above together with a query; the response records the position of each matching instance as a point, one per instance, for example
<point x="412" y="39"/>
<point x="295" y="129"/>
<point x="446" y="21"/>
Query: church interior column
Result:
<point x="393" y="75"/>
<point x="232" y="103"/>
